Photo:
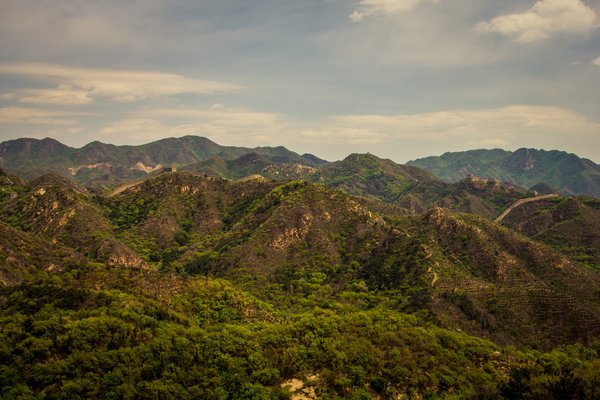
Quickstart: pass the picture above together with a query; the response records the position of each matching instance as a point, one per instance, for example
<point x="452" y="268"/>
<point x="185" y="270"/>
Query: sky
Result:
<point x="401" y="79"/>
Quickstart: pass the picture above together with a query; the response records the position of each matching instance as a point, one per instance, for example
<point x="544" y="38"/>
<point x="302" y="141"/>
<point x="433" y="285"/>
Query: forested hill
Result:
<point x="97" y="164"/>
<point x="567" y="173"/>
<point x="192" y="286"/>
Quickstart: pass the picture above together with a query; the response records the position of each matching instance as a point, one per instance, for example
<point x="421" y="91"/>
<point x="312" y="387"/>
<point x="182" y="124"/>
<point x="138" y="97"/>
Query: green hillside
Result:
<point x="566" y="172"/>
<point x="191" y="286"/>
<point x="415" y="189"/>
<point x="103" y="165"/>
<point x="253" y="164"/>
<point x="571" y="225"/>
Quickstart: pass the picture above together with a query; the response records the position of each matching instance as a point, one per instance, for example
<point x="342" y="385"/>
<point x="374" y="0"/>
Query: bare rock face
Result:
<point x="116" y="254"/>
<point x="139" y="166"/>
<point x="293" y="234"/>
<point x="9" y="179"/>
<point x="435" y="216"/>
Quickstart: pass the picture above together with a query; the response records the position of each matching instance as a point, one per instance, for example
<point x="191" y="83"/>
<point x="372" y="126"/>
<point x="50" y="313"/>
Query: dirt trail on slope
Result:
<point x="123" y="188"/>
<point x="523" y="201"/>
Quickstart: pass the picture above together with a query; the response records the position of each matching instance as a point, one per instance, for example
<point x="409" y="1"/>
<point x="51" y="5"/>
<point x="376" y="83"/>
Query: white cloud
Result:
<point x="545" y="18"/>
<point x="224" y="124"/>
<point x="41" y="28"/>
<point x="118" y="85"/>
<point x="597" y="61"/>
<point x="491" y="142"/>
<point x="220" y="114"/>
<point x="343" y="134"/>
<point x="367" y="8"/>
<point x="495" y="127"/>
<point x="386" y="47"/>
<point x="60" y="95"/>
<point x="17" y="115"/>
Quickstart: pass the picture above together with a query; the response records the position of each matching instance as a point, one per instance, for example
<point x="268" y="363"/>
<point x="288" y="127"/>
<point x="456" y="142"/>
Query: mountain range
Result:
<point x="100" y="164"/>
<point x="104" y="166"/>
<point x="565" y="172"/>
<point x="268" y="274"/>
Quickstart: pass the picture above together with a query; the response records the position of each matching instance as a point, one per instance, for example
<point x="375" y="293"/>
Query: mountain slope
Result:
<point x="368" y="175"/>
<point x="9" y="179"/>
<point x="281" y="289"/>
<point x="452" y="167"/>
<point x="53" y="208"/>
<point x="373" y="178"/>
<point x="415" y="189"/>
<point x="99" y="164"/>
<point x="25" y="256"/>
<point x="571" y="225"/>
<point x="289" y="241"/>
<point x="566" y="172"/>
<point x="296" y="240"/>
<point x="252" y="164"/>
<point x="508" y="285"/>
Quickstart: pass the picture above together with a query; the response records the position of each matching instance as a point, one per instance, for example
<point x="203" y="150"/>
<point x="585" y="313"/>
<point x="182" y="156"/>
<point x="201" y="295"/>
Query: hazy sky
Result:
<point x="398" y="78"/>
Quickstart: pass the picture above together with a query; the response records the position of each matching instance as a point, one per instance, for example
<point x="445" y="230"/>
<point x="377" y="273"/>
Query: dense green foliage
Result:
<point x="163" y="336"/>
<point x="188" y="286"/>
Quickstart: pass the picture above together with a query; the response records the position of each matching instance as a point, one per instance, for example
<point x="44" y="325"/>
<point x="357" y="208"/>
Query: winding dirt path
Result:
<point x="123" y="188"/>
<point x="523" y="201"/>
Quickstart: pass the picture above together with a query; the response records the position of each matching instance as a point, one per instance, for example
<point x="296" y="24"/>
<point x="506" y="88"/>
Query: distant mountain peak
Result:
<point x="9" y="179"/>
<point x="31" y="148"/>
<point x="361" y="156"/>
<point x="100" y="165"/>
<point x="526" y="167"/>
<point x="56" y="181"/>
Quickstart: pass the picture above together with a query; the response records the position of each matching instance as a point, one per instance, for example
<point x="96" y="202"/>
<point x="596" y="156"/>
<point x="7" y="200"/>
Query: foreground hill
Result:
<point x="296" y="239"/>
<point x="125" y="334"/>
<point x="98" y="164"/>
<point x="565" y="172"/>
<point x="189" y="286"/>
<point x="56" y="209"/>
